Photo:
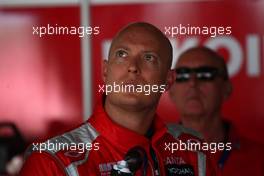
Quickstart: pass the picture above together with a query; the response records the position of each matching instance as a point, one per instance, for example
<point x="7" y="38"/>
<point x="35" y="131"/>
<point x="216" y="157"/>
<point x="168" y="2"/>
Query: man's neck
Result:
<point x="135" y="120"/>
<point x="212" y="128"/>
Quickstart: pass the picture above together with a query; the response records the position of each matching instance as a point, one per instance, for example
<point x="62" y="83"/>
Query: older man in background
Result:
<point x="201" y="87"/>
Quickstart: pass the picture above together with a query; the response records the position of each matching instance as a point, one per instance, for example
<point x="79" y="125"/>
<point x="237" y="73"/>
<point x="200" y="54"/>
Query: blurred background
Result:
<point x="49" y="84"/>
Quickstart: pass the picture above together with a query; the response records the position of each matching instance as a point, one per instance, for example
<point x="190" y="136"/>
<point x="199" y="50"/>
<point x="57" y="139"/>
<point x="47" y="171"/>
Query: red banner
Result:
<point x="40" y="85"/>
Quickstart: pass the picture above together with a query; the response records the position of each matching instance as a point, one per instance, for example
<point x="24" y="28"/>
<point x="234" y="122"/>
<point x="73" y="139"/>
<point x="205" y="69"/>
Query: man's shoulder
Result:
<point x="178" y="131"/>
<point x="83" y="134"/>
<point x="65" y="151"/>
<point x="186" y="144"/>
<point x="41" y="164"/>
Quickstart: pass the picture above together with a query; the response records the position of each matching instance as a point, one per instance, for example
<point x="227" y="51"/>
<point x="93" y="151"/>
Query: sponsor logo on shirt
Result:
<point x="179" y="170"/>
<point x="105" y="168"/>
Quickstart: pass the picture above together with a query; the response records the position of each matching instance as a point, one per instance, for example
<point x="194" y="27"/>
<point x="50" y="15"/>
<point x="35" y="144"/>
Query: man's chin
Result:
<point x="194" y="105"/>
<point x="193" y="112"/>
<point x="131" y="99"/>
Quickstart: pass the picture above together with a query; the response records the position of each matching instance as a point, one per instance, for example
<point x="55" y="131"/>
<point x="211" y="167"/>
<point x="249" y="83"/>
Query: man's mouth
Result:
<point x="132" y="82"/>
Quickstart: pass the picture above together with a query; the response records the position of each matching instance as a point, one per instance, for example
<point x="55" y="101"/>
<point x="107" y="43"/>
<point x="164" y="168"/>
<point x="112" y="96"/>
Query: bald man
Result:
<point x="201" y="87"/>
<point x="124" y="136"/>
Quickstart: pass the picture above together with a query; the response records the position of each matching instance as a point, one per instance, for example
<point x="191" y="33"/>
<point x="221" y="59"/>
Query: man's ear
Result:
<point x="170" y="79"/>
<point x="104" y="70"/>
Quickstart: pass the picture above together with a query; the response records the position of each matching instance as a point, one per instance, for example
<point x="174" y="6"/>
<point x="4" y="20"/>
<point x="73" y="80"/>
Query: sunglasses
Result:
<point x="203" y="73"/>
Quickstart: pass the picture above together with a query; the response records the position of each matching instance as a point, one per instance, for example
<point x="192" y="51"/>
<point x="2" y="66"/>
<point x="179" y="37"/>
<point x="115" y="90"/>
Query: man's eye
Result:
<point x="121" y="53"/>
<point x="149" y="57"/>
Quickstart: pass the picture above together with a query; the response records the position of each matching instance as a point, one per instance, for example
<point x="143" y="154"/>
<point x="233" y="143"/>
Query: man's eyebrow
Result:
<point x="145" y="51"/>
<point x="150" y="51"/>
<point x="117" y="47"/>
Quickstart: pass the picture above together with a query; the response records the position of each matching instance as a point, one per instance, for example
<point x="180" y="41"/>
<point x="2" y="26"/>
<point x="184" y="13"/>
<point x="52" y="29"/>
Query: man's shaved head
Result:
<point x="150" y="30"/>
<point x="140" y="54"/>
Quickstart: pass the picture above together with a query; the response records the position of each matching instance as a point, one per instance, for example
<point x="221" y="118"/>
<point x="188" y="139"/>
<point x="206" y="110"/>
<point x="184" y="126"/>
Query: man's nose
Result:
<point x="193" y="82"/>
<point x="133" y="66"/>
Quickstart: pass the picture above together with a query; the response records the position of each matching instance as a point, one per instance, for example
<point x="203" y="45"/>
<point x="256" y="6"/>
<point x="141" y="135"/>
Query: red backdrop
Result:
<point x="40" y="78"/>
